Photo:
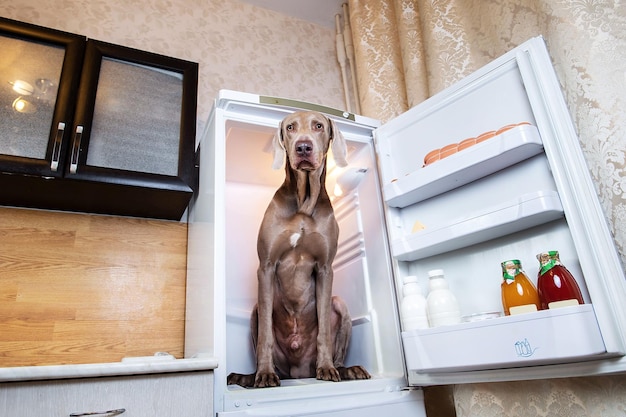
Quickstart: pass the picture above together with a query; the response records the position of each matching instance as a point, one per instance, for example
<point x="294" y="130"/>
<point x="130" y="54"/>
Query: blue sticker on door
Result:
<point x="523" y="349"/>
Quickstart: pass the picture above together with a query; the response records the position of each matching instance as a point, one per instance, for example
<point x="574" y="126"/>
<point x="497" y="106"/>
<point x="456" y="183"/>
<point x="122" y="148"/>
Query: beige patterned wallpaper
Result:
<point x="602" y="396"/>
<point x="239" y="46"/>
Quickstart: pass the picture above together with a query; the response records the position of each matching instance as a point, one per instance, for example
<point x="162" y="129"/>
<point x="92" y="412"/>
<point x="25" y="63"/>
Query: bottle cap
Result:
<point x="547" y="260"/>
<point x="510" y="269"/>
<point x="545" y="256"/>
<point x="435" y="273"/>
<point x="513" y="263"/>
<point x="410" y="278"/>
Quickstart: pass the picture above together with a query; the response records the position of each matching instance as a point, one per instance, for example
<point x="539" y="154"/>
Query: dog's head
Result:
<point x="305" y="137"/>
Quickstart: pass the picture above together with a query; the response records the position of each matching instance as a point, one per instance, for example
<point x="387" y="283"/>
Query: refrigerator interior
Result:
<point x="236" y="183"/>
<point x="361" y="267"/>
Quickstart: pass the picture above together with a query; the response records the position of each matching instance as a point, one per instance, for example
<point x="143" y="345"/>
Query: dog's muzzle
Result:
<point x="305" y="155"/>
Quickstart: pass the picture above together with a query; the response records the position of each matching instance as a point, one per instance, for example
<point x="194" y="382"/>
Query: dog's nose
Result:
<point x="304" y="148"/>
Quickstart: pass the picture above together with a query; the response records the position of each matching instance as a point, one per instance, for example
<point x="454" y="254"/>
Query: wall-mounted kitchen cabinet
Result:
<point x="94" y="127"/>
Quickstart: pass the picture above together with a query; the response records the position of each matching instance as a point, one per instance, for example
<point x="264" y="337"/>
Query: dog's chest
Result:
<point x="305" y="249"/>
<point x="308" y="236"/>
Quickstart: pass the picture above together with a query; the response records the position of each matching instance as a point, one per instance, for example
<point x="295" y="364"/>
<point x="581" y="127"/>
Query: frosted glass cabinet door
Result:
<point x="28" y="98"/>
<point x="135" y="119"/>
<point x="38" y="72"/>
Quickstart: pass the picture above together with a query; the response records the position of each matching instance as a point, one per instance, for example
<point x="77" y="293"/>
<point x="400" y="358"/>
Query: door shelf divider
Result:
<point x="535" y="338"/>
<point x="527" y="210"/>
<point x="470" y="164"/>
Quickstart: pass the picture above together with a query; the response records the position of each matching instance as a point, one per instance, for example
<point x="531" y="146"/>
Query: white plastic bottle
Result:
<point x="413" y="306"/>
<point x="442" y="306"/>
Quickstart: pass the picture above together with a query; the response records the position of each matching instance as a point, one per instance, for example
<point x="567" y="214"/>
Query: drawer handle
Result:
<point x="100" y="413"/>
<point x="76" y="150"/>
<point x="56" y="149"/>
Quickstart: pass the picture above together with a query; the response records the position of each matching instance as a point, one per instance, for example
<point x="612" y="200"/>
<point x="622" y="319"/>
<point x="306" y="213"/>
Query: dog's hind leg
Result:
<point x="247" y="380"/>
<point x="342" y="328"/>
<point x="244" y="380"/>
<point x="342" y="324"/>
<point x="250" y="380"/>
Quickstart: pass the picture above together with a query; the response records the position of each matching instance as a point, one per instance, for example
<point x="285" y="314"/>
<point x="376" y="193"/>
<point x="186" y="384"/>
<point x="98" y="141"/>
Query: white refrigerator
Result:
<point x="524" y="191"/>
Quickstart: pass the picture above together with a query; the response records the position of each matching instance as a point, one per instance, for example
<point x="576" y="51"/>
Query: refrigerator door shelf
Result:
<point x="470" y="164"/>
<point x="528" y="210"/>
<point x="548" y="336"/>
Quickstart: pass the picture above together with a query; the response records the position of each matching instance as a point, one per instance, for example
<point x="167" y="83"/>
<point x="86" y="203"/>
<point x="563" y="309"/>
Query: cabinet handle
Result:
<point x="56" y="149"/>
<point x="100" y="413"/>
<point x="76" y="149"/>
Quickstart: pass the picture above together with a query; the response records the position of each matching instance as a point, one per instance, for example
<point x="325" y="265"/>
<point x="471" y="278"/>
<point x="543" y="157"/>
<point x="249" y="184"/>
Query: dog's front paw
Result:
<point x="329" y="373"/>
<point x="266" y="379"/>
<point x="354" y="372"/>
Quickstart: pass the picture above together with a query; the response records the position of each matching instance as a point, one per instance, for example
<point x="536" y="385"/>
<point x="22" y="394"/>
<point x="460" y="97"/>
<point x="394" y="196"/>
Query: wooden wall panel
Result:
<point x="78" y="288"/>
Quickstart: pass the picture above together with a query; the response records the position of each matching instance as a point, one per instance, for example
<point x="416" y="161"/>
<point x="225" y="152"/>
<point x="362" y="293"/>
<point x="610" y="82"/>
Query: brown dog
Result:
<point x="298" y="328"/>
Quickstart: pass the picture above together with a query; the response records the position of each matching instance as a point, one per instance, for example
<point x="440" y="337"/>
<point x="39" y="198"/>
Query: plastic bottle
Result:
<point x="555" y="284"/>
<point x="442" y="306"/>
<point x="519" y="294"/>
<point x="413" y="306"/>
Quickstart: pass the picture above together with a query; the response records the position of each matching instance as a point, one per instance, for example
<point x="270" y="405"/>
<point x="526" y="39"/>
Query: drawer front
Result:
<point x="176" y="394"/>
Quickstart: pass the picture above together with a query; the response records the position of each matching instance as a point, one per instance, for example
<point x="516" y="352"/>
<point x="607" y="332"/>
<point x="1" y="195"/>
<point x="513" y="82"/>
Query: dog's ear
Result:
<point x="338" y="145"/>
<point x="279" y="148"/>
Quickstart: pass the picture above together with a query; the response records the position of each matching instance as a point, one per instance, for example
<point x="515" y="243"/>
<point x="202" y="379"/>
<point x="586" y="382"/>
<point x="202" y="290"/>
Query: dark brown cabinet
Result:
<point x="94" y="127"/>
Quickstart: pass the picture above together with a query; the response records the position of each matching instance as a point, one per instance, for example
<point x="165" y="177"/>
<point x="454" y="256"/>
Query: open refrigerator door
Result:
<point x="524" y="190"/>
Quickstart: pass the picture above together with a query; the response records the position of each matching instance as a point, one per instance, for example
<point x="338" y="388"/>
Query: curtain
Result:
<point x="408" y="50"/>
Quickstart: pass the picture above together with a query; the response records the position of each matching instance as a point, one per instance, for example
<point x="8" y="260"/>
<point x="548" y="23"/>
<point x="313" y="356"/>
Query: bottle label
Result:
<point x="563" y="303"/>
<point x="526" y="308"/>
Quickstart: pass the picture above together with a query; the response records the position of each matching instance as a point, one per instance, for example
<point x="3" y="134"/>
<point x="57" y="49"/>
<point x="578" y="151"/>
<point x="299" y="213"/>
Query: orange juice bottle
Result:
<point x="519" y="294"/>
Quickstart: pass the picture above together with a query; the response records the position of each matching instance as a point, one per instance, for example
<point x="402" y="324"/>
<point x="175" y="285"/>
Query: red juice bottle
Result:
<point x="555" y="284"/>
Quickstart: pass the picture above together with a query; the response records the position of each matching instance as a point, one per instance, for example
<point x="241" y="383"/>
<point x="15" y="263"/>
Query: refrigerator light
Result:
<point x="349" y="180"/>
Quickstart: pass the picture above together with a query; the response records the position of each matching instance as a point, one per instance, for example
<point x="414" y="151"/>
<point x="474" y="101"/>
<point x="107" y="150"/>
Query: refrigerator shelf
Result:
<point x="470" y="164"/>
<point x="511" y="341"/>
<point x="528" y="210"/>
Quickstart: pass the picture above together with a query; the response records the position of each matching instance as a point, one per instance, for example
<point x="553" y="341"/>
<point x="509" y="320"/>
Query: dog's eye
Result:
<point x="289" y="127"/>
<point x="319" y="126"/>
